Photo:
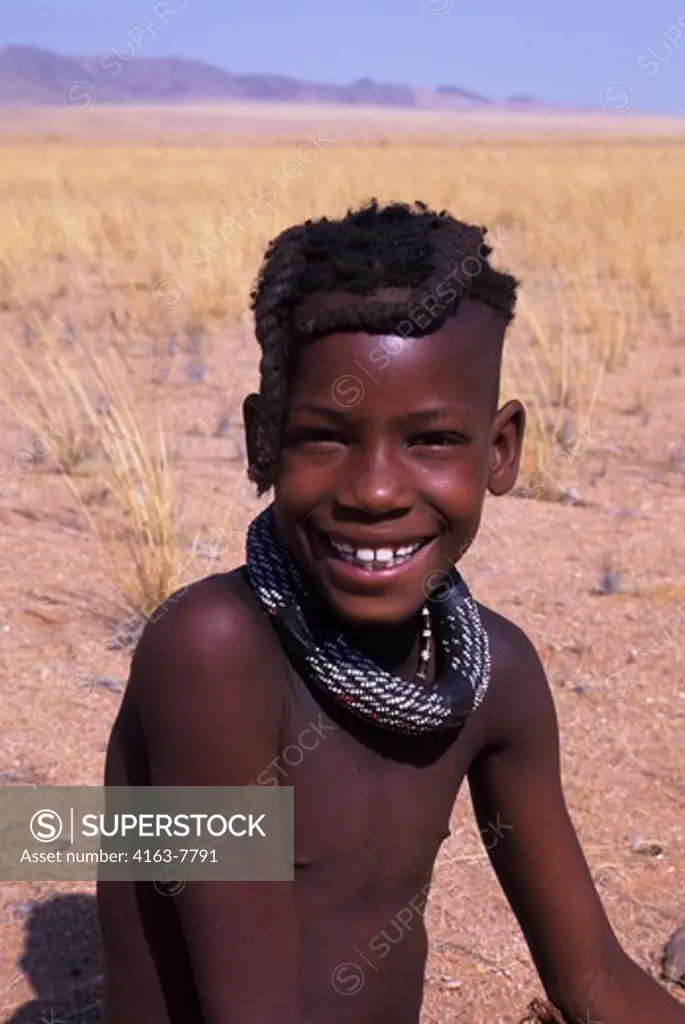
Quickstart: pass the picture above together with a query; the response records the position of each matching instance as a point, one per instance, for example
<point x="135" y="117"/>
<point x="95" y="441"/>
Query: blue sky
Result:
<point x="625" y="52"/>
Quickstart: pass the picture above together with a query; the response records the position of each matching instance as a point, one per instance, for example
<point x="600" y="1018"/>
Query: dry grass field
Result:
<point x="128" y="247"/>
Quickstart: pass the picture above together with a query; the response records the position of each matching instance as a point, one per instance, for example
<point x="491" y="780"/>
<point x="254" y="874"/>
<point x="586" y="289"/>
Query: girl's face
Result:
<point x="388" y="448"/>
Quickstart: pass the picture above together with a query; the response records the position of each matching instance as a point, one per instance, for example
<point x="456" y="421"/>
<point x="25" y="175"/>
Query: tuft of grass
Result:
<point x="114" y="457"/>
<point x="549" y="367"/>
<point x="137" y="529"/>
<point x="46" y="393"/>
<point x="542" y="1012"/>
<point x="142" y="528"/>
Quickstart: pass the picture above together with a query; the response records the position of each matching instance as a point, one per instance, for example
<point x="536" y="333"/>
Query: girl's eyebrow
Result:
<point x="419" y="416"/>
<point x="439" y="412"/>
<point x="320" y="410"/>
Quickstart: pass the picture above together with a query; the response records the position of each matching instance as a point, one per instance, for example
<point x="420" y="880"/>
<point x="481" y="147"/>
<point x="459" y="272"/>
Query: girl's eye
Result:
<point x="315" y="434"/>
<point x="439" y="439"/>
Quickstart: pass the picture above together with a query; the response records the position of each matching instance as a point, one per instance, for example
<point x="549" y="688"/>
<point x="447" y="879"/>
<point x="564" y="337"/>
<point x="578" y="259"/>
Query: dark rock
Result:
<point x="673" y="958"/>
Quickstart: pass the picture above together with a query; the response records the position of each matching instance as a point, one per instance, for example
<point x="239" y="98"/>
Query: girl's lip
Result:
<point x="351" y="572"/>
<point x="377" y="542"/>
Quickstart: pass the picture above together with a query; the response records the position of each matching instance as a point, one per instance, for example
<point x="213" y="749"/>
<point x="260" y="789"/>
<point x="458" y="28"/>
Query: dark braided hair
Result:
<point x="371" y="249"/>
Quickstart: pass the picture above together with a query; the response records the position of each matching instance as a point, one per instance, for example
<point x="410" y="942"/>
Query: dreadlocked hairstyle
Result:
<point x="398" y="246"/>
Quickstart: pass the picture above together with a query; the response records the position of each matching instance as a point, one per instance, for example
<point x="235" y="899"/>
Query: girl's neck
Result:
<point x="394" y="648"/>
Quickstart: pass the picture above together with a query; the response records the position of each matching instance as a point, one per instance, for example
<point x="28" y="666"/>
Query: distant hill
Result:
<point x="30" y="76"/>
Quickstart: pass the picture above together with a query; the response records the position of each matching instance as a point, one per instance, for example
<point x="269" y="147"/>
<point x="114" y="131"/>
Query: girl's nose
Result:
<point x="376" y="483"/>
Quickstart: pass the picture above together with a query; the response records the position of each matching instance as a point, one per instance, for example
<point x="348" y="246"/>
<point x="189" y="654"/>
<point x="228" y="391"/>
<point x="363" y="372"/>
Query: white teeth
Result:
<point x="365" y="555"/>
<point x="379" y="557"/>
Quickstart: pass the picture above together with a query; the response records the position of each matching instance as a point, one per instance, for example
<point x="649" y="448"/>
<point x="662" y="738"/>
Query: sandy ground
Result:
<point x="591" y="583"/>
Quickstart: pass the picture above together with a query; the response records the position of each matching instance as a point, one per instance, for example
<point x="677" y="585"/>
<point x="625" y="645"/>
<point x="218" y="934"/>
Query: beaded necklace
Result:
<point x="320" y="651"/>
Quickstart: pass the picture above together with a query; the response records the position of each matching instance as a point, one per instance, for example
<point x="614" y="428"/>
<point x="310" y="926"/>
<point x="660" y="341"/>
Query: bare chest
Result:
<point x="370" y="808"/>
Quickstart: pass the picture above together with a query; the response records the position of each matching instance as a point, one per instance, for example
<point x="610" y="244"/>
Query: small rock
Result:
<point x="573" y="497"/>
<point x="223" y="426"/>
<point x="673" y="958"/>
<point x="114" y="685"/>
<point x="609" y="582"/>
<point x="647" y="847"/>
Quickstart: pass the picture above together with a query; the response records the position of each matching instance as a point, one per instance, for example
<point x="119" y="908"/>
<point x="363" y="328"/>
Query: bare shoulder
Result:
<point x="511" y="649"/>
<point x="520" y="698"/>
<point x="214" y="616"/>
<point x="213" y="611"/>
<point x="208" y="669"/>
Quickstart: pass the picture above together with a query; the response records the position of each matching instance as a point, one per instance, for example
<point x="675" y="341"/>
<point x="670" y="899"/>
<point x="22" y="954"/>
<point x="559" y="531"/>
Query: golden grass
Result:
<point x="134" y="468"/>
<point x="42" y="388"/>
<point x="136" y="241"/>
<point x="111" y="456"/>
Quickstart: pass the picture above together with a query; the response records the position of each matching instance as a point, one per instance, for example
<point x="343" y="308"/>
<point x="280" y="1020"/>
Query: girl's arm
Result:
<point x="538" y="858"/>
<point x="205" y="682"/>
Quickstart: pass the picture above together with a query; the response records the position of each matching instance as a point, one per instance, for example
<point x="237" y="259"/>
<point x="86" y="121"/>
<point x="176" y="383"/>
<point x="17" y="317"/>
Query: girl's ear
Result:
<point x="251" y="405"/>
<point x="507" y="444"/>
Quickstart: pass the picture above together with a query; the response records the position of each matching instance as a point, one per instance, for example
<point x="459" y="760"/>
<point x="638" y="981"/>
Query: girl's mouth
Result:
<point x="380" y="559"/>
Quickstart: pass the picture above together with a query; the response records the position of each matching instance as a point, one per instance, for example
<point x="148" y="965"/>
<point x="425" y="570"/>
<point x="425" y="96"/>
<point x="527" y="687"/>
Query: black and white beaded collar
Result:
<point x="321" y="653"/>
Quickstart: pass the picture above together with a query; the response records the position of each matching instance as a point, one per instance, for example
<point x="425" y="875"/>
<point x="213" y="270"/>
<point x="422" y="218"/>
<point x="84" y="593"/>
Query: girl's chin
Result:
<point x="384" y="612"/>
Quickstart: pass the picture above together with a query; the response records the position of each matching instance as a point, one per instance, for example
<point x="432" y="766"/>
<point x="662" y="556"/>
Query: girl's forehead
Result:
<point x="448" y="347"/>
<point x="389" y="370"/>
